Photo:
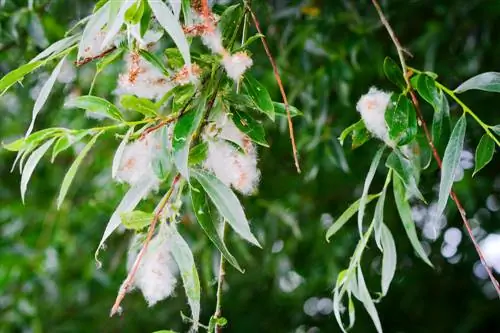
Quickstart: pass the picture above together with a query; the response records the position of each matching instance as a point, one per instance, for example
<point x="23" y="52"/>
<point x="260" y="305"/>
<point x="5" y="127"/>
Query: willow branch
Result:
<point x="127" y="284"/>
<point x="454" y="197"/>
<point x="280" y="84"/>
<point x="99" y="56"/>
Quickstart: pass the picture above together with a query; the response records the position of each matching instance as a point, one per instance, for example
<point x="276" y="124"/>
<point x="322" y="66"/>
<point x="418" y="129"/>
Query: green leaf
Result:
<point x="404" y="211"/>
<point x="394" y="73"/>
<point x="107" y="60"/>
<point x="165" y="331"/>
<point x="251" y="127"/>
<point x="201" y="209"/>
<point x="365" y="298"/>
<point x="229" y="21"/>
<point x="66" y="141"/>
<point x="96" y="105"/>
<point x="346" y="215"/>
<point x="154" y="60"/>
<point x="226" y="203"/>
<point x="136" y="220"/>
<point x="174" y="58"/>
<point x="31" y="164"/>
<point x="489" y="81"/>
<point x="259" y="94"/>
<point x="441" y="112"/>
<point x="366" y="187"/>
<point x="198" y="154"/>
<point x="70" y="175"/>
<point x="389" y="258"/>
<point x="484" y="152"/>
<point x="182" y="95"/>
<point x="349" y="130"/>
<point x="401" y="120"/>
<point x="17" y="75"/>
<point x="426" y="88"/>
<point x="249" y="41"/>
<point x="162" y="161"/>
<point x="185" y="261"/>
<point x="138" y="104"/>
<point x="134" y="13"/>
<point x="280" y="110"/>
<point x="450" y="165"/>
<point x="404" y="169"/>
<point x="145" y="19"/>
<point x="183" y="131"/>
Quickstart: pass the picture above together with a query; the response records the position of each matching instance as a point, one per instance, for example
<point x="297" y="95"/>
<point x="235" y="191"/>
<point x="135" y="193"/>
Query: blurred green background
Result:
<point x="329" y="53"/>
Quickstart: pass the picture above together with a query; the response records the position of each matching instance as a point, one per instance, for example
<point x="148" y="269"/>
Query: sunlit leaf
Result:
<point x="389" y="258"/>
<point x="394" y="73"/>
<point x="17" y="75"/>
<point x="404" y="210"/>
<point x="138" y="104"/>
<point x="136" y="220"/>
<point x="66" y="141"/>
<point x="198" y="153"/>
<point x="226" y="203"/>
<point x="259" y="94"/>
<point x="450" y="165"/>
<point x="489" y="81"/>
<point x="484" y="152"/>
<point x="251" y="127"/>
<point x="31" y="164"/>
<point x="96" y="105"/>
<point x="365" y="298"/>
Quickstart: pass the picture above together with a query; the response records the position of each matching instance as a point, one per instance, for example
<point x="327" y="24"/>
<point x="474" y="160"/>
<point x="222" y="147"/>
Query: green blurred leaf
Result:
<point x="259" y="94"/>
<point x="154" y="60"/>
<point x="280" y="110"/>
<point x="389" y="258"/>
<point x="96" y="105"/>
<point x="136" y="220"/>
<point x="365" y="298"/>
<point x="401" y="120"/>
<point x="229" y="21"/>
<point x="404" y="169"/>
<point x="484" y="152"/>
<point x="31" y="164"/>
<point x="226" y="203"/>
<point x="198" y="154"/>
<point x="134" y="13"/>
<point x="17" y="75"/>
<point x="489" y="81"/>
<point x="70" y="175"/>
<point x="138" y="104"/>
<point x="207" y="221"/>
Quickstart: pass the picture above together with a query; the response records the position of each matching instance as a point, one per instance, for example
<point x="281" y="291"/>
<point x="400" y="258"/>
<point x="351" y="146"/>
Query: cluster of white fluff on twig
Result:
<point x="372" y="107"/>
<point x="233" y="167"/>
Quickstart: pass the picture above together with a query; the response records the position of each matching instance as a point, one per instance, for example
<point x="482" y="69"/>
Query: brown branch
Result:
<point x="414" y="99"/>
<point x="99" y="56"/>
<point x="280" y="84"/>
<point x="127" y="284"/>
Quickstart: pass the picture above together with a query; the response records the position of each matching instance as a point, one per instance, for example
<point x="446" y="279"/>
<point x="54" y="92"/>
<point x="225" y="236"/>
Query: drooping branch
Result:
<point x="280" y="85"/>
<point x="400" y="50"/>
<point x="127" y="284"/>
<point x="99" y="56"/>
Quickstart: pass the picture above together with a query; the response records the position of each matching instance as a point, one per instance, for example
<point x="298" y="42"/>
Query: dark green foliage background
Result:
<point x="327" y="62"/>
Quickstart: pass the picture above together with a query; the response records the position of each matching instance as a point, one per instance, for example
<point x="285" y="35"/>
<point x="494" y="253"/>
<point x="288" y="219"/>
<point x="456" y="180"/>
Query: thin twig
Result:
<point x="99" y="56"/>
<point x="414" y="99"/>
<point x="127" y="284"/>
<point x="220" y="284"/>
<point x="280" y="84"/>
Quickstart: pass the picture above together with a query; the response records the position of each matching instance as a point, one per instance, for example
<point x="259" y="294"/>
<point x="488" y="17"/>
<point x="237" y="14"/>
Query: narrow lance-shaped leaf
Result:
<point x="226" y="203"/>
<point x="346" y="215"/>
<point x="31" y="164"/>
<point x="404" y="210"/>
<point x="183" y="132"/>
<point x="366" y="187"/>
<point x="92" y="28"/>
<point x="44" y="94"/>
<point x="172" y="26"/>
<point x="136" y="220"/>
<point x="484" y="152"/>
<point x="251" y="127"/>
<point x="394" y="73"/>
<point x="17" y="75"/>
<point x="450" y="165"/>
<point x="141" y="105"/>
<point x="365" y="298"/>
<point x="119" y="153"/>
<point x="131" y="199"/>
<point x="280" y="110"/>
<point x="403" y="168"/>
<point x="259" y="95"/>
<point x="201" y="209"/>
<point x="389" y="258"/>
<point x="489" y="81"/>
<point x="56" y="47"/>
<point x="337" y="298"/>
<point x="70" y="174"/>
<point x="118" y="21"/>
<point x="184" y="258"/>
<point x="97" y="105"/>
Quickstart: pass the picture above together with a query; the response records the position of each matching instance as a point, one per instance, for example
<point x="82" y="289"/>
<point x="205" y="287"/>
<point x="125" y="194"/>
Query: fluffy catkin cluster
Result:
<point x="235" y="64"/>
<point x="157" y="271"/>
<point x="136" y="161"/>
<point x="233" y="167"/>
<point x="372" y="107"/>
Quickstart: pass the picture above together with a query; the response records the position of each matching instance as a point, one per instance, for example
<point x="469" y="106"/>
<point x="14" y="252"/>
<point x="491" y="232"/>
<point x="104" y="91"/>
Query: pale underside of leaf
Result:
<point x="31" y="164"/>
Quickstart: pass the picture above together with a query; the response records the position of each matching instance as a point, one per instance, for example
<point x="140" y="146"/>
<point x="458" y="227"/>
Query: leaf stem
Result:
<point x="220" y="283"/>
<point x="435" y="153"/>
<point x="127" y="284"/>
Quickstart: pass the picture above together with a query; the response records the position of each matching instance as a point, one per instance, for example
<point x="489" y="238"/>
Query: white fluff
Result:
<point x="93" y="48"/>
<point x="142" y="79"/>
<point x="213" y="40"/>
<point x="236" y="64"/>
<point x="372" y="108"/>
<point x="136" y="161"/>
<point x="231" y="166"/>
<point x="156" y="274"/>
